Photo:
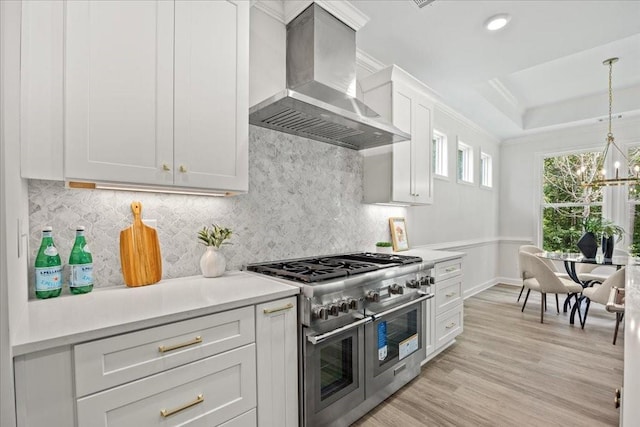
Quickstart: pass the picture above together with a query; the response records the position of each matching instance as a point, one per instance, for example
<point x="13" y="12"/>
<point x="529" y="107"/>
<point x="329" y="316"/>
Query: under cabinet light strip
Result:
<point x="124" y="187"/>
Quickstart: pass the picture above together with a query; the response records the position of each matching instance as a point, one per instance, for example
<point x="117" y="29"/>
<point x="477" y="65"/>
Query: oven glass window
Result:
<point x="336" y="367"/>
<point x="398" y="337"/>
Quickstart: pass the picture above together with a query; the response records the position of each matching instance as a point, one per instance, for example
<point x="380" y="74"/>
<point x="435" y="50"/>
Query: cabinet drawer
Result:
<point x="248" y="419"/>
<point x="113" y="361"/>
<point x="448" y="269"/>
<point x="203" y="393"/>
<point x="448" y="294"/>
<point x="448" y="326"/>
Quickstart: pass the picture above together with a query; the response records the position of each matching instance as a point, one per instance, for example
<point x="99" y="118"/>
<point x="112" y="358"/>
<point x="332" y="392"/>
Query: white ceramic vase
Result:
<point x="384" y="249"/>
<point x="212" y="262"/>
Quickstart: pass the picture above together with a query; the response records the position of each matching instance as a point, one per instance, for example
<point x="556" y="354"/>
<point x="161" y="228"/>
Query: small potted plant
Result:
<point x="212" y="262"/>
<point x="384" y="247"/>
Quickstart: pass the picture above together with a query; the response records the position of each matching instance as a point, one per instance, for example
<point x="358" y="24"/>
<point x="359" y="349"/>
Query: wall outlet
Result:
<point x="151" y="222"/>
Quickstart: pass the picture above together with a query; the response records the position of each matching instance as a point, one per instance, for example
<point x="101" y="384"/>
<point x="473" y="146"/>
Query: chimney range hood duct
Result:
<point x="319" y="102"/>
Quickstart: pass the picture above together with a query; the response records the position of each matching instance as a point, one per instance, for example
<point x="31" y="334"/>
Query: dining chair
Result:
<point x="540" y="278"/>
<point x="599" y="293"/>
<point x="531" y="249"/>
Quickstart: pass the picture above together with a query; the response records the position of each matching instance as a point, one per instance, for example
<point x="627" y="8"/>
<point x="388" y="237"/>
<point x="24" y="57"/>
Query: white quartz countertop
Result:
<point x="70" y="319"/>
<point x="431" y="255"/>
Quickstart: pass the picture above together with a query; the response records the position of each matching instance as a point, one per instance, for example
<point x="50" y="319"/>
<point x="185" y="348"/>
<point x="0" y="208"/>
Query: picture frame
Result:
<point x="398" y="230"/>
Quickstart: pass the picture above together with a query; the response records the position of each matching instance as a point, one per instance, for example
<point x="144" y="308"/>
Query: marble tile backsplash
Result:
<point x="304" y="199"/>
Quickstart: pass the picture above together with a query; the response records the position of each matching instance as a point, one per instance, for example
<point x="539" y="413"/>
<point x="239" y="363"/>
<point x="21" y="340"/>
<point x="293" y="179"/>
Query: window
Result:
<point x="566" y="203"/>
<point x="465" y="163"/>
<point x="486" y="170"/>
<point x="633" y="227"/>
<point x="440" y="154"/>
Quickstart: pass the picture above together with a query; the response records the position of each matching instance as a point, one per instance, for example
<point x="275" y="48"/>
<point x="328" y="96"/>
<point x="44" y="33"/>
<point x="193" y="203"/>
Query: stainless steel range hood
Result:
<point x="319" y="102"/>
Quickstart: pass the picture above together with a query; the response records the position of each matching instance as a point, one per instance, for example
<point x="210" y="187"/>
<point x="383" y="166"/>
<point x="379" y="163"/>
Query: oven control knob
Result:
<point x="320" y="313"/>
<point x="353" y="304"/>
<point x="413" y="283"/>
<point x="343" y="306"/>
<point x="334" y="309"/>
<point x="427" y="280"/>
<point x="396" y="289"/>
<point x="373" y="296"/>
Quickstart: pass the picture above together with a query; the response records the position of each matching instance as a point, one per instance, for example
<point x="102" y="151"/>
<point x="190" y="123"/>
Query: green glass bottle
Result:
<point x="48" y="267"/>
<point x="80" y="265"/>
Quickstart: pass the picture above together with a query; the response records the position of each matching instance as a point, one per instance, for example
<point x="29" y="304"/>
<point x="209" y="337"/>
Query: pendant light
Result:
<point x="601" y="179"/>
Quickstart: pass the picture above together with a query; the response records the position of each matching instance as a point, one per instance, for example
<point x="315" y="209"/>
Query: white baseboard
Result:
<point x="479" y="288"/>
<point x="509" y="281"/>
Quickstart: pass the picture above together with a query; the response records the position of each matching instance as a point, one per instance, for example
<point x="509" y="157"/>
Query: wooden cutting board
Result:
<point x="140" y="252"/>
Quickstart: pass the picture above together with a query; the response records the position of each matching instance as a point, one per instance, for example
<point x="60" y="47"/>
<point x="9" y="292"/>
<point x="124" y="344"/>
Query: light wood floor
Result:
<point x="507" y="369"/>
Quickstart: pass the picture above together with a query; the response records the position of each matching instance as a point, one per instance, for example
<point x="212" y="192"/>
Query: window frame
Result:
<point x="440" y="152"/>
<point x="486" y="175"/>
<point x="464" y="171"/>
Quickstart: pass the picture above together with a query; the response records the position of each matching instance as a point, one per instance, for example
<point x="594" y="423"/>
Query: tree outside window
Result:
<point x="566" y="203"/>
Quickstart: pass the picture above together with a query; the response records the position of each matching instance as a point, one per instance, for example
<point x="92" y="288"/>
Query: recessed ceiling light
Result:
<point x="497" y="21"/>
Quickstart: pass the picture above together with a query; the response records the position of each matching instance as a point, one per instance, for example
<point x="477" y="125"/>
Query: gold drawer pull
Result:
<point x="450" y="325"/>
<point x="275" y="310"/>
<point x="449" y="295"/>
<point x="164" y="349"/>
<point x="168" y="412"/>
<point x="450" y="269"/>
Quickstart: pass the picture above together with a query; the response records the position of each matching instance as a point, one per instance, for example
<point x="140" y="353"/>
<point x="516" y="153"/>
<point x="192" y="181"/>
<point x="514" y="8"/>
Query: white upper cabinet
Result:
<point x="119" y="91"/>
<point x="211" y="129"/>
<point x="400" y="173"/>
<point x="154" y="93"/>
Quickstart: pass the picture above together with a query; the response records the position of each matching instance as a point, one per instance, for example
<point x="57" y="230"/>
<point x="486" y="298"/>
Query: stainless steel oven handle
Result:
<point x="424" y="297"/>
<point x="316" y="339"/>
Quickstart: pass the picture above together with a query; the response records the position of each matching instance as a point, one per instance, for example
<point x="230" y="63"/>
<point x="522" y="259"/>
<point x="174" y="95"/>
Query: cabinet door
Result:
<point x="412" y="159"/>
<point x="41" y="90"/>
<point x="119" y="91"/>
<point x="276" y="346"/>
<point x="211" y="94"/>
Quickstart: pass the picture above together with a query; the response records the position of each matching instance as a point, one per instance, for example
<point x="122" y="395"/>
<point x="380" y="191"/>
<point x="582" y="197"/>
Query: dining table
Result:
<point x="570" y="259"/>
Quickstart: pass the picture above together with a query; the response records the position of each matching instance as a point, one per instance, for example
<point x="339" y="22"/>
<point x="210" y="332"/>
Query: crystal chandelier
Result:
<point x="601" y="178"/>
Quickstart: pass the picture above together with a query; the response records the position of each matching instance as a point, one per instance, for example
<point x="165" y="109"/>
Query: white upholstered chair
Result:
<point x="531" y="249"/>
<point x="599" y="293"/>
<point x="540" y="278"/>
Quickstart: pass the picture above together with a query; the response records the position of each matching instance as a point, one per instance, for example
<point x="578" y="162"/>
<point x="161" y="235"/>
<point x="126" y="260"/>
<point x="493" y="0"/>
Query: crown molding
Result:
<point x="273" y="8"/>
<point x="285" y="10"/>
<point x="444" y="108"/>
<point x="368" y="62"/>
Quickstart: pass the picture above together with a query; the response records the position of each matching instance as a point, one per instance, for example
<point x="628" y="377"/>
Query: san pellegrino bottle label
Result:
<point x="80" y="262"/>
<point x="48" y="278"/>
<point x="81" y="275"/>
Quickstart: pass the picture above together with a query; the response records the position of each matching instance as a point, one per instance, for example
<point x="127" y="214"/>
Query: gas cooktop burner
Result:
<point x="318" y="269"/>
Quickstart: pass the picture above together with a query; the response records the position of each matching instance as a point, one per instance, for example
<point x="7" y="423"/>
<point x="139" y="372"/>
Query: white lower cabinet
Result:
<point x="444" y="319"/>
<point x="236" y="368"/>
<point x="276" y="340"/>
<point x="203" y="393"/>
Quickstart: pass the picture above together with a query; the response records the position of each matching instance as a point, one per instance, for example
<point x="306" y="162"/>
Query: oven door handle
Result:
<point x="317" y="339"/>
<point x="424" y="297"/>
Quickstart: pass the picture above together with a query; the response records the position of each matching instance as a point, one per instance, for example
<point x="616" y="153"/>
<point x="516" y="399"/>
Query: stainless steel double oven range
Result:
<point x="361" y="323"/>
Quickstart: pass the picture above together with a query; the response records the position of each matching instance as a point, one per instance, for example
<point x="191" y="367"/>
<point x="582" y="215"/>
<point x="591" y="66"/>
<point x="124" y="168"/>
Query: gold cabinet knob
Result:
<point x="182" y="169"/>
<point x="165" y="167"/>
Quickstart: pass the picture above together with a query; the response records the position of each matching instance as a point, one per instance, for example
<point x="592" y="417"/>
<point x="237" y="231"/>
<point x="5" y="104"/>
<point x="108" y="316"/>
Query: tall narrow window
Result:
<point x="440" y="158"/>
<point x="465" y="163"/>
<point x="486" y="170"/>
<point x="566" y="204"/>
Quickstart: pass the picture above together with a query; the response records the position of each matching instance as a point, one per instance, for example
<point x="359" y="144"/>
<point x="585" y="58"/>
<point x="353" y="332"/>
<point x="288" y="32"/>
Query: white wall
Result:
<point x="463" y="217"/>
<point x="521" y="163"/>
<point x="267" y="75"/>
